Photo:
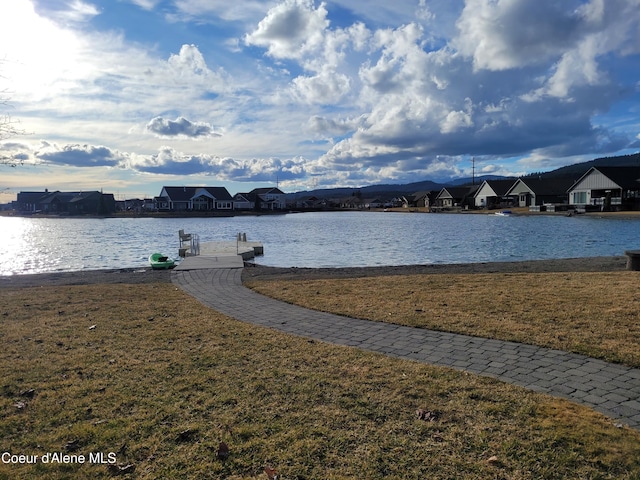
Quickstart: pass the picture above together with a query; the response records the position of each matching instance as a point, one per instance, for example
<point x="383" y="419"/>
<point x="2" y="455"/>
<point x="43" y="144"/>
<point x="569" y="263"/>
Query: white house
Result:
<point x="194" y="198"/>
<point x="492" y="193"/>
<point x="607" y="187"/>
<point x="529" y="191"/>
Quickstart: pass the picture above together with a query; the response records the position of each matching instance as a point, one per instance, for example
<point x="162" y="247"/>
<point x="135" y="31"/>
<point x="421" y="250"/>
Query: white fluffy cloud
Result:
<point x="291" y="29"/>
<point x="169" y="161"/>
<point x="182" y="127"/>
<point x="79" y="155"/>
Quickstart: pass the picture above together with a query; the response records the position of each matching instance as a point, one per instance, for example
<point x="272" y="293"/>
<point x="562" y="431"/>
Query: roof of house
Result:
<point x="261" y="191"/>
<point x="500" y="187"/>
<point x="627" y="178"/>
<point x="544" y="186"/>
<point x="266" y="190"/>
<point x="30" y="197"/>
<point x="66" y="197"/>
<point x="459" y="192"/>
<point x="184" y="194"/>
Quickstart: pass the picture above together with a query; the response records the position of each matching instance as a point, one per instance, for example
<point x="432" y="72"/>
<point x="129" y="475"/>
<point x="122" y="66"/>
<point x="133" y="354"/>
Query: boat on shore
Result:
<point x="504" y="213"/>
<point x="159" y="261"/>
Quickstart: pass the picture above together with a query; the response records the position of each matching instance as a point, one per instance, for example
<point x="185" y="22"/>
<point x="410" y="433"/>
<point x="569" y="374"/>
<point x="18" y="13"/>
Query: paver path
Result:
<point x="613" y="390"/>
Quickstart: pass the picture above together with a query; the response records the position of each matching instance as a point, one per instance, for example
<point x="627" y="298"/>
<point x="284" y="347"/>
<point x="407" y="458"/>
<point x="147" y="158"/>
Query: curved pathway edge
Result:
<point x="611" y="389"/>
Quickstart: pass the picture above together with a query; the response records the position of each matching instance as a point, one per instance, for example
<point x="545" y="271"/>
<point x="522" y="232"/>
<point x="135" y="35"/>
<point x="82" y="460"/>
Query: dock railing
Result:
<point x="189" y="241"/>
<point x="195" y="244"/>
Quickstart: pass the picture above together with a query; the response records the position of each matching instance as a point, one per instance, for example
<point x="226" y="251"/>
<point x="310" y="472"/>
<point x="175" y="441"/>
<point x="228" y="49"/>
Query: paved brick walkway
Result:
<point x="613" y="390"/>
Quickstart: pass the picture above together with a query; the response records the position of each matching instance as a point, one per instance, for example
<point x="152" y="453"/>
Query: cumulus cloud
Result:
<point x="324" y="126"/>
<point x="79" y="155"/>
<point x="169" y="161"/>
<point x="290" y="29"/>
<point x="325" y="88"/>
<point x="520" y="33"/>
<point x="503" y="35"/>
<point x="180" y="127"/>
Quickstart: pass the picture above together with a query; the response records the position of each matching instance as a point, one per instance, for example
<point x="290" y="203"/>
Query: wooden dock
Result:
<point x="223" y="254"/>
<point x="247" y="250"/>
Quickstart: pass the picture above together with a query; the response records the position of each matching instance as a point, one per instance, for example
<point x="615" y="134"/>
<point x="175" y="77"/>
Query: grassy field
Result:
<point x="146" y="374"/>
<point x="592" y="313"/>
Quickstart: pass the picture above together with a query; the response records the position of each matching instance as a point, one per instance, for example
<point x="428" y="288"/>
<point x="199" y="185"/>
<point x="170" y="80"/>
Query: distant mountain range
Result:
<point x="388" y="191"/>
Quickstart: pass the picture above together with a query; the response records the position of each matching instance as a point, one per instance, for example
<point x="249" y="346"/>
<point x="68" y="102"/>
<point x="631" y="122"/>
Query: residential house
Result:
<point x="309" y="202"/>
<point x="532" y="191"/>
<point x="493" y="194"/>
<point x="422" y="199"/>
<point x="202" y="199"/>
<point x="28" y="201"/>
<point x="267" y="198"/>
<point x="373" y="202"/>
<point x="351" y="202"/>
<point x="66" y="203"/>
<point x="608" y="188"/>
<point x="455" y="197"/>
<point x="241" y="202"/>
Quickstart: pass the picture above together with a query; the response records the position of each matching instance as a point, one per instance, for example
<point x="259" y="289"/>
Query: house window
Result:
<point x="579" y="198"/>
<point x="201" y="203"/>
<point x="224" y="205"/>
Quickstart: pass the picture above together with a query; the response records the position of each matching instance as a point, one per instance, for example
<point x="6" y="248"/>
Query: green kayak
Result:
<point x="159" y="261"/>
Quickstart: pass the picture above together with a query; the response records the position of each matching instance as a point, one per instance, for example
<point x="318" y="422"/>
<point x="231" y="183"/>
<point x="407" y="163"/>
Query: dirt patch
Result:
<point x="87" y="277"/>
<point x="263" y="273"/>
<point x="589" y="264"/>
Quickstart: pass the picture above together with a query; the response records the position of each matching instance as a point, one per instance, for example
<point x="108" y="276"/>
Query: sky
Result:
<point x="130" y="95"/>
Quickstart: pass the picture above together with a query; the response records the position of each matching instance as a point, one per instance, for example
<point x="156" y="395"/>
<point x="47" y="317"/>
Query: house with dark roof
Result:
<point x="66" y="203"/>
<point x="493" y="194"/>
<point x="268" y="198"/>
<point x="200" y="199"/>
<point x="455" y="197"/>
<point x="607" y="188"/>
<point x="536" y="191"/>
<point x="422" y="199"/>
<point x="309" y="202"/>
<point x="242" y="202"/>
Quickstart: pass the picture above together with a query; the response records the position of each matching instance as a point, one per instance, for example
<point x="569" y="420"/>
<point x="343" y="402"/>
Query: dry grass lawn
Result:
<point x="148" y="373"/>
<point x="596" y="314"/>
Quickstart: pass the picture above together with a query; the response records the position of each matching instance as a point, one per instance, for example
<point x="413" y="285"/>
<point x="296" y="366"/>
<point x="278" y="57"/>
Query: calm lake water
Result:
<point x="325" y="239"/>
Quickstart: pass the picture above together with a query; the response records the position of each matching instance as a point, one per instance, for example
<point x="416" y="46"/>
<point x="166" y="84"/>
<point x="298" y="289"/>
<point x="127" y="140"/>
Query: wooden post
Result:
<point x="633" y="259"/>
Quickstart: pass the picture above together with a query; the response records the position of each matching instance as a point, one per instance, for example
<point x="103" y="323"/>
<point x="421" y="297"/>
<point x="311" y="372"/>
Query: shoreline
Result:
<point x="264" y="273"/>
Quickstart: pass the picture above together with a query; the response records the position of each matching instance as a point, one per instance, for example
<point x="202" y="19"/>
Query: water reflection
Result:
<point x="31" y="245"/>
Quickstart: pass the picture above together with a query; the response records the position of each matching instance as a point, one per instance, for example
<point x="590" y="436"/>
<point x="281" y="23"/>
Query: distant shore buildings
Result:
<point x="68" y="203"/>
<point x="599" y="188"/>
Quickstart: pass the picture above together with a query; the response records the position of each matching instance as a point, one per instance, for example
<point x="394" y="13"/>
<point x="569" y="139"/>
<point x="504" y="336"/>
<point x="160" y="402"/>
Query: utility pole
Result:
<point x="473" y="177"/>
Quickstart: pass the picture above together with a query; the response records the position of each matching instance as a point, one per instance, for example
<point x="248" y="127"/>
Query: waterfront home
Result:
<point x="532" y="191"/>
<point x="181" y="199"/>
<point x="351" y="202"/>
<point x="267" y="198"/>
<point x="309" y="202"/>
<point x="455" y="197"/>
<point x="421" y="199"/>
<point x="373" y="203"/>
<point x="241" y="202"/>
<point x="493" y="194"/>
<point x="66" y="203"/>
<point x="607" y="188"/>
